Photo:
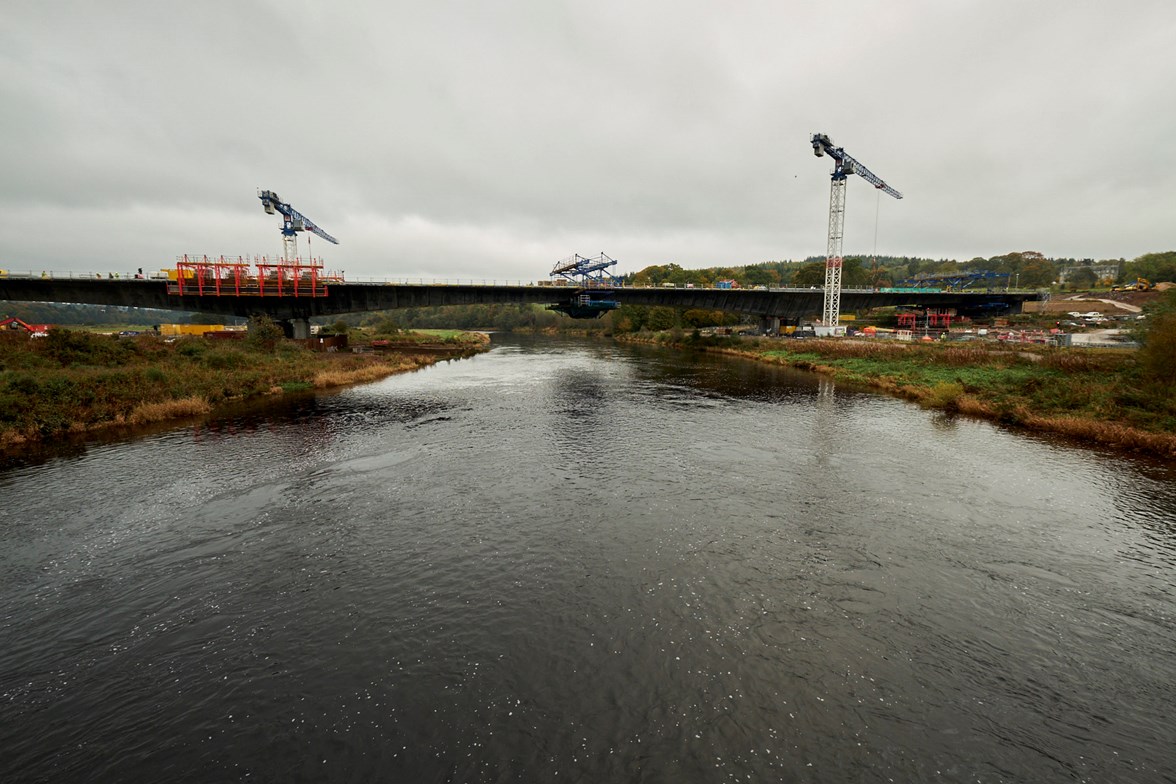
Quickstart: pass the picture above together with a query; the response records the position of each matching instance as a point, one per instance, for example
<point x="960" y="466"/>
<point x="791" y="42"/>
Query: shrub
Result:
<point x="386" y="326"/>
<point x="945" y="395"/>
<point x="191" y="347"/>
<point x="224" y="359"/>
<point x="23" y="384"/>
<point x="264" y="333"/>
<point x="69" y="347"/>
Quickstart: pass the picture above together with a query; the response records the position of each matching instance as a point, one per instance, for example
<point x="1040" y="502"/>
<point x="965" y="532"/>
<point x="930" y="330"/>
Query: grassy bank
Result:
<point x="455" y="338"/>
<point x="1103" y="396"/>
<point x="72" y="382"/>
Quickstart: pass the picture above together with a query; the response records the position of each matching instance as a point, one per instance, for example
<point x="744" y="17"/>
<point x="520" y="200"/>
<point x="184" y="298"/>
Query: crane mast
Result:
<point x="844" y="165"/>
<point x="293" y="222"/>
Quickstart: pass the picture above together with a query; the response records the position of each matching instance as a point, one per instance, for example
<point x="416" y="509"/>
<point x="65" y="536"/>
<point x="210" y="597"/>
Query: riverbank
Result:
<point x="76" y="382"/>
<point x="1094" y="395"/>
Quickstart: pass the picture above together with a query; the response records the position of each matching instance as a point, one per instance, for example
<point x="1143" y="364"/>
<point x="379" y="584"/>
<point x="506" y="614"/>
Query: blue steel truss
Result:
<point x="586" y="271"/>
<point x="958" y="280"/>
<point x="591" y="298"/>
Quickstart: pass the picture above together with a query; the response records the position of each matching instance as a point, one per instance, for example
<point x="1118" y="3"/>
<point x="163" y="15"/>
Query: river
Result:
<point x="578" y="561"/>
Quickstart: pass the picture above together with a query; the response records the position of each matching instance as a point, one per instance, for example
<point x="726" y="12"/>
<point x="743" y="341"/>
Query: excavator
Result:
<point x="1140" y="284"/>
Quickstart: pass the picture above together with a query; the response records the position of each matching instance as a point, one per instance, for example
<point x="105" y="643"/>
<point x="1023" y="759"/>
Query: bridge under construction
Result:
<point x="293" y="299"/>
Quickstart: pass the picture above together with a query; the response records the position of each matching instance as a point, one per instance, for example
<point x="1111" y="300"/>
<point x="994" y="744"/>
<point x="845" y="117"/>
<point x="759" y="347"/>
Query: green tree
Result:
<point x="759" y="276"/>
<point x="853" y="273"/>
<point x="1155" y="267"/>
<point x="697" y="317"/>
<point x="1080" y="278"/>
<point x="1036" y="273"/>
<point x="811" y="274"/>
<point x="662" y="319"/>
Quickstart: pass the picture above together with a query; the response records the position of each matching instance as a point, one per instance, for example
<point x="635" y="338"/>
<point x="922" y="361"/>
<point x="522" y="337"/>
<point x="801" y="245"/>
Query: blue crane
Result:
<point x="293" y="222"/>
<point x="844" y="165"/>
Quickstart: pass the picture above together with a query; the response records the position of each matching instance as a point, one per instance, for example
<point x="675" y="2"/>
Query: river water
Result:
<point x="578" y="561"/>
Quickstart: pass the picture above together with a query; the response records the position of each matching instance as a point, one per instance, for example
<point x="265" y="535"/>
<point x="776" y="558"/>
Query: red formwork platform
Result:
<point x="220" y="277"/>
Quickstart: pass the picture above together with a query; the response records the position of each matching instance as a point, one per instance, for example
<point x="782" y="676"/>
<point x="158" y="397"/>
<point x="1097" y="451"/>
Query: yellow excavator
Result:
<point x="1140" y="284"/>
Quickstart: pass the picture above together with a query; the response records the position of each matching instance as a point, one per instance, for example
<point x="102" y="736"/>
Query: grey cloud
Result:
<point x="449" y="138"/>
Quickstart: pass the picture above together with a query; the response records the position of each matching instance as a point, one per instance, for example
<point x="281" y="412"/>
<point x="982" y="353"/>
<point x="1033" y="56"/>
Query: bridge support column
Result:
<point x="299" y="328"/>
<point x="770" y="325"/>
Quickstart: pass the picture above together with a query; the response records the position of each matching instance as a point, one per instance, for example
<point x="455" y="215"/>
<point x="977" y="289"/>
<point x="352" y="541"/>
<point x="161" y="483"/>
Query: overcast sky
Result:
<point x="490" y="139"/>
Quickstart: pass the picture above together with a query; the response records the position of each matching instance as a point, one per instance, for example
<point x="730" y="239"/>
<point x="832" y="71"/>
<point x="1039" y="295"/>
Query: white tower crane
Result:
<point x="844" y="166"/>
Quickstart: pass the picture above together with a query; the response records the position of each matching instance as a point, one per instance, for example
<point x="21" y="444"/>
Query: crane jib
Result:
<point x="847" y="164"/>
<point x="851" y="166"/>
<point x="295" y="220"/>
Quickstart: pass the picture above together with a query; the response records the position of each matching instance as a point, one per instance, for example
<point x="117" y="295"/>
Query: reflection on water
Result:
<point x="574" y="560"/>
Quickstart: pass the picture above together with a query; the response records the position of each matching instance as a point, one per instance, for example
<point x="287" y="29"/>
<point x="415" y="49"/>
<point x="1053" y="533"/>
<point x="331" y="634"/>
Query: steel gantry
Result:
<point x="844" y="165"/>
<point x="593" y="295"/>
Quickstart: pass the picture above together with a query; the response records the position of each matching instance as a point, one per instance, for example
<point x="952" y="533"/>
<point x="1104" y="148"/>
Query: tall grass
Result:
<point x="146" y="413"/>
<point x="368" y="372"/>
<point x="79" y="381"/>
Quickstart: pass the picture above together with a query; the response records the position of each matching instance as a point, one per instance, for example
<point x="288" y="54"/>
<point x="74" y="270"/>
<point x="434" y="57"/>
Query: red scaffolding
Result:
<point x="221" y="276"/>
<point x="926" y="320"/>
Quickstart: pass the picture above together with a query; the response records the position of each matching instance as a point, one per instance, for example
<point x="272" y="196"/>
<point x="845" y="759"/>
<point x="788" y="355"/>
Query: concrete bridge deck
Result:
<point x="788" y="305"/>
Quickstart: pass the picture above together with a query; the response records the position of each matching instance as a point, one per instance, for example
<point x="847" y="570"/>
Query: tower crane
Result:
<point x="293" y="222"/>
<point x="844" y="165"/>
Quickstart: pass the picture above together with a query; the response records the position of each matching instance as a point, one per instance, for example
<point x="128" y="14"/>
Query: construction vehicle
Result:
<point x="1140" y="284"/>
<point x="292" y="222"/>
<point x="844" y="165"/>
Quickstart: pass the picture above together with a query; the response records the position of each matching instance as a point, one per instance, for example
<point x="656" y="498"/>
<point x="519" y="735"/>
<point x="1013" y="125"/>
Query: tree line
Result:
<point x="1027" y="269"/>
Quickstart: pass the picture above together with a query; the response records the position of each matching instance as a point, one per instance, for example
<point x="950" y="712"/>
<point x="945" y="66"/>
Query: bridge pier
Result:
<point x="297" y="328"/>
<point x="770" y="325"/>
